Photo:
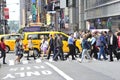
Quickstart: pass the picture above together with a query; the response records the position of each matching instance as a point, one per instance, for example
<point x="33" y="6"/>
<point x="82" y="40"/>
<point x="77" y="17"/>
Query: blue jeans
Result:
<point x="85" y="52"/>
<point x="102" y="52"/>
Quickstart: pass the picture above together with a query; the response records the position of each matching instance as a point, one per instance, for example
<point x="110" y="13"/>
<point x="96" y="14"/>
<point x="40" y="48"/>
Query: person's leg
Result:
<point x="61" y="53"/>
<point x="4" y="56"/>
<point x="34" y="55"/>
<point x="72" y="52"/>
<point x="56" y="54"/>
<point x="28" y="54"/>
<point x="100" y="53"/>
<point x="88" y="55"/>
<point x="69" y="52"/>
<point x="48" y="57"/>
<point x="83" y="54"/>
<point x="115" y="53"/>
<point x="103" y="53"/>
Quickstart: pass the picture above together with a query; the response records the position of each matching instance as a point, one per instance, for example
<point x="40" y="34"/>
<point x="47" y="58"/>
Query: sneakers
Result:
<point x="4" y="63"/>
<point x="79" y="60"/>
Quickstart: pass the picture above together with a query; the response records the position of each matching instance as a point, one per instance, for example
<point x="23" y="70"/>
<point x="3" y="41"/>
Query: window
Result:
<point x="33" y="36"/>
<point x="43" y="35"/>
<point x="64" y="37"/>
<point x="12" y="37"/>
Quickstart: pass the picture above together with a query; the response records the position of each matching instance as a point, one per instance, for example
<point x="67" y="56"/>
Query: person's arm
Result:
<point x="3" y="46"/>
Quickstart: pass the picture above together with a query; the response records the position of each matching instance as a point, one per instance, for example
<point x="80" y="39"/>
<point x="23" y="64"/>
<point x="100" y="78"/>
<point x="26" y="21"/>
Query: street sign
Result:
<point x="6" y="13"/>
<point x="53" y="12"/>
<point x="62" y="3"/>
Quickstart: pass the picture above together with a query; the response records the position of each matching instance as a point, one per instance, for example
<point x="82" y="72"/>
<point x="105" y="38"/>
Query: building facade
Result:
<point x="102" y="14"/>
<point x="76" y="14"/>
<point x="3" y="21"/>
<point x="25" y="11"/>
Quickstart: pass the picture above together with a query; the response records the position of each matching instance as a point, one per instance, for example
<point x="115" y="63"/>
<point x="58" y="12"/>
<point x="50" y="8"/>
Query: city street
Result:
<point x="60" y="70"/>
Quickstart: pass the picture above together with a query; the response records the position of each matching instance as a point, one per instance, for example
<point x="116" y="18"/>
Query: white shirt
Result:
<point x="111" y="40"/>
<point x="45" y="44"/>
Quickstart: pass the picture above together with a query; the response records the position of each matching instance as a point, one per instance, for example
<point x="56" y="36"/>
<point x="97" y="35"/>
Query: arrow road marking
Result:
<point x="59" y="71"/>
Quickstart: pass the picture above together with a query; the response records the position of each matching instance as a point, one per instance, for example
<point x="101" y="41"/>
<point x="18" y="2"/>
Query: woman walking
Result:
<point x="85" y="46"/>
<point x="44" y="46"/>
<point x="3" y="48"/>
<point x="18" y="50"/>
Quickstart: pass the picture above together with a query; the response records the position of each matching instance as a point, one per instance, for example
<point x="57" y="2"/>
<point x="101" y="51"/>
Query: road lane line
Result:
<point x="59" y="71"/>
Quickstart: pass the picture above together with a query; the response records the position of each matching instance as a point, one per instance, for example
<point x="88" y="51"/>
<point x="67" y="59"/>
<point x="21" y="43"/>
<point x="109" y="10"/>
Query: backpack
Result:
<point x="118" y="42"/>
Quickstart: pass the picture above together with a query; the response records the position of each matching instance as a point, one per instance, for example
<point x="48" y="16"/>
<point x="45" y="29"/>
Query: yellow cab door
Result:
<point x="10" y="41"/>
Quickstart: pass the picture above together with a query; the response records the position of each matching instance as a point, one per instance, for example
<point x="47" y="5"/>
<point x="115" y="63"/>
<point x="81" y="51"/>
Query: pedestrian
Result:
<point x="55" y="52"/>
<point x="44" y="46"/>
<point x="71" y="47"/>
<point x="85" y="47"/>
<point x="18" y="50"/>
<point x="59" y="45"/>
<point x="112" y="46"/>
<point x="30" y="47"/>
<point x="102" y="46"/>
<point x="3" y="49"/>
<point x="94" y="49"/>
<point x="51" y="46"/>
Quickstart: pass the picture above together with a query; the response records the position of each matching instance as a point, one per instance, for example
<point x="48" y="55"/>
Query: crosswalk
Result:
<point x="12" y="62"/>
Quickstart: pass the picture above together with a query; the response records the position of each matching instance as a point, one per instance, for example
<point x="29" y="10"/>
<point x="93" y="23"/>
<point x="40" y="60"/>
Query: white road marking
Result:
<point x="11" y="62"/>
<point x="59" y="71"/>
<point x="25" y="62"/>
<point x="38" y="61"/>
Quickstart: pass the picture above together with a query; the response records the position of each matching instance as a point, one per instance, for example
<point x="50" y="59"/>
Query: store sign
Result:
<point x="20" y="72"/>
<point x="62" y="3"/>
<point x="6" y="13"/>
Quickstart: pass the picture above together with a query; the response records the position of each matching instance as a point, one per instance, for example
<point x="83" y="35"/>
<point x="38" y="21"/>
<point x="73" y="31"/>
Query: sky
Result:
<point x="14" y="9"/>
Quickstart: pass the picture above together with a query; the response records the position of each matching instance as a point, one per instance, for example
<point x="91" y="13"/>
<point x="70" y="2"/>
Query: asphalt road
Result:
<point x="60" y="70"/>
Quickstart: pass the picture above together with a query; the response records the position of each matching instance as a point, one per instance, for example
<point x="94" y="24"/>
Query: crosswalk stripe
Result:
<point x="38" y="60"/>
<point x="25" y="62"/>
<point x="11" y="62"/>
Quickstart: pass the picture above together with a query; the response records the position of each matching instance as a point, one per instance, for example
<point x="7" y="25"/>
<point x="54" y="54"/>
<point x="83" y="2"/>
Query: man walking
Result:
<point x="112" y="45"/>
<point x="71" y="47"/>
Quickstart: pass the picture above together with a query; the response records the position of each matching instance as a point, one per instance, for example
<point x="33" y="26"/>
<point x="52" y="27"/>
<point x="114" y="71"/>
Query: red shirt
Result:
<point x="3" y="46"/>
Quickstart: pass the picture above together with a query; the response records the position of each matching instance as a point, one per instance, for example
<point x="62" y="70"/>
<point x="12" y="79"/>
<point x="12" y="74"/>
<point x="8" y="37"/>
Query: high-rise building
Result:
<point x="76" y="14"/>
<point x="25" y="12"/>
<point x="3" y="21"/>
<point x="32" y="11"/>
<point x="102" y="14"/>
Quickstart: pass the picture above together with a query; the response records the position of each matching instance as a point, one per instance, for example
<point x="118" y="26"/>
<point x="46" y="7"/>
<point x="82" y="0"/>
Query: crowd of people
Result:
<point x="94" y="45"/>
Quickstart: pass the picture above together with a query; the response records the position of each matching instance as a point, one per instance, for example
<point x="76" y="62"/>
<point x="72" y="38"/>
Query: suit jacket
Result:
<point x="114" y="41"/>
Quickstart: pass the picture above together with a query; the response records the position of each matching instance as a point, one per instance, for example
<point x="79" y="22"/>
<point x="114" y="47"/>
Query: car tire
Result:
<point x="77" y="51"/>
<point x="7" y="49"/>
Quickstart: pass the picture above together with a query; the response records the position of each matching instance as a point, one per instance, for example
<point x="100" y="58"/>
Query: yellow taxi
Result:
<point x="36" y="40"/>
<point x="10" y="41"/>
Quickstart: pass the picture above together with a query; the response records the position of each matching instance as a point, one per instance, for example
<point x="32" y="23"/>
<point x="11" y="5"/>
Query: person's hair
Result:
<point x="110" y="31"/>
<point x="2" y="39"/>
